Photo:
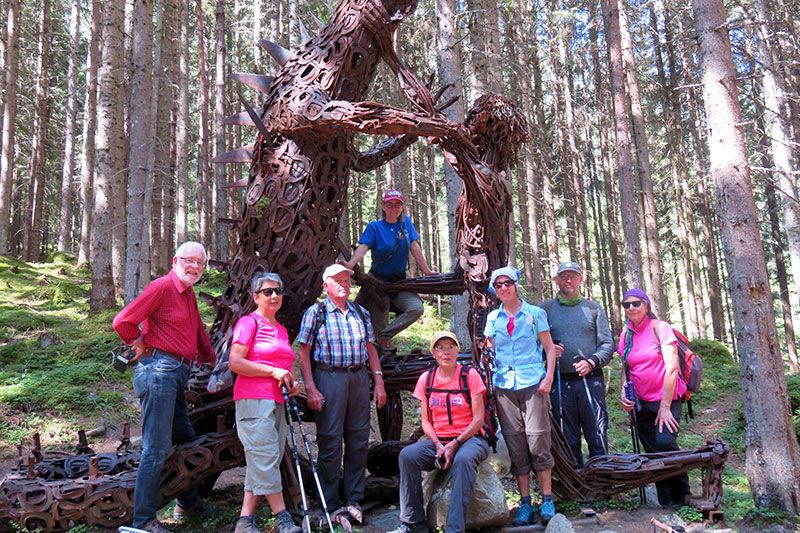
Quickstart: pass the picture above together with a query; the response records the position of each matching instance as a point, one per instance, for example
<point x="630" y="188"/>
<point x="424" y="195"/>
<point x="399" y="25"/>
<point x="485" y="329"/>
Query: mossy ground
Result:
<point x="56" y="376"/>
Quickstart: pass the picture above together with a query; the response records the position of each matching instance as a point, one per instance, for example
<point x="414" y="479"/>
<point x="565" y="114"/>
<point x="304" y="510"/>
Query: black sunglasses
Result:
<point x="269" y="291"/>
<point x="635" y="304"/>
<point x="506" y="283"/>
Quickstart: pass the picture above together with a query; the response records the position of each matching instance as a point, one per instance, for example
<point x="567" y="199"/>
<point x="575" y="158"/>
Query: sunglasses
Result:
<point x="269" y="291"/>
<point x="635" y="304"/>
<point x="506" y="283"/>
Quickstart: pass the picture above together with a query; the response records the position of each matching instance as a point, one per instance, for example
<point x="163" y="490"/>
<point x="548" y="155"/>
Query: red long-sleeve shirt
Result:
<point x="167" y="313"/>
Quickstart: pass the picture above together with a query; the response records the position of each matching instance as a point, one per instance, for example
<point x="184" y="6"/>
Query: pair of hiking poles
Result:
<point x="291" y="406"/>
<point x="594" y="406"/>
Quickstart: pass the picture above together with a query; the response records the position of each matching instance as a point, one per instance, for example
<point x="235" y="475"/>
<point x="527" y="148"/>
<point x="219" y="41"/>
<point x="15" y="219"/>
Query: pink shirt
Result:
<point x="460" y="409"/>
<point x="268" y="345"/>
<point x="647" y="363"/>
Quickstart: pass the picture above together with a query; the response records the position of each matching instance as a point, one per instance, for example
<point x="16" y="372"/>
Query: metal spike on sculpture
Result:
<point x="296" y="191"/>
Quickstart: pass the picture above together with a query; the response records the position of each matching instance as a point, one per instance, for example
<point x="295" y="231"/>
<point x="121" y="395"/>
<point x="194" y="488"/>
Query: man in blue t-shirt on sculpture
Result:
<point x="391" y="239"/>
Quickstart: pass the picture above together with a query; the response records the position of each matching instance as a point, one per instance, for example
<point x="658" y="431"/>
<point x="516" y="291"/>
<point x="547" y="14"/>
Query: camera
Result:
<point x="439" y="462"/>
<point x="122" y="360"/>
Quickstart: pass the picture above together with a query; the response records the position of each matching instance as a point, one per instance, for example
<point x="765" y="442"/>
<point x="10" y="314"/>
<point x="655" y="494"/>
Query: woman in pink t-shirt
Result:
<point x="262" y="358"/>
<point x="650" y="361"/>
<point x="452" y="426"/>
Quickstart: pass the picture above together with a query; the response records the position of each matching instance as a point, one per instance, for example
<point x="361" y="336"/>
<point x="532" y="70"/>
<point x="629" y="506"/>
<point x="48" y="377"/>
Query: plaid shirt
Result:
<point x="342" y="340"/>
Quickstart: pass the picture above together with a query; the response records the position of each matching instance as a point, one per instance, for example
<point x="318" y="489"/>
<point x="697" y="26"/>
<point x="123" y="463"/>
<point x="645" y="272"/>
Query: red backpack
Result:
<point x="691" y="365"/>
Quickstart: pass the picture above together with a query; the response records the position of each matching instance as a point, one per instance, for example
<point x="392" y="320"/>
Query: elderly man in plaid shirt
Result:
<point x="336" y="351"/>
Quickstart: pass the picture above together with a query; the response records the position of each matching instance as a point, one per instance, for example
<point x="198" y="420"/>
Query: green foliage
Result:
<point x="793" y="387"/>
<point x="712" y="352"/>
<point x="689" y="514"/>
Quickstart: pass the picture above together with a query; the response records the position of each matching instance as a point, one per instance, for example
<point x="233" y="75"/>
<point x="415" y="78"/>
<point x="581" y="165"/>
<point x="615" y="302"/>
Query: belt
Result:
<point x="597" y="372"/>
<point x="329" y="368"/>
<point x="149" y="352"/>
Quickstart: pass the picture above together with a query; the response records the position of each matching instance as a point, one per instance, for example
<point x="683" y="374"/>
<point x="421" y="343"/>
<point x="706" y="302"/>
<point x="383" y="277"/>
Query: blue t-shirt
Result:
<point x="518" y="357"/>
<point x="390" y="244"/>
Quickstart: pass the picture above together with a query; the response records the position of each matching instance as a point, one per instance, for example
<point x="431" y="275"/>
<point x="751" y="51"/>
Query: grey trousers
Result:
<point x="418" y="457"/>
<point x="411" y="308"/>
<point x="344" y="418"/>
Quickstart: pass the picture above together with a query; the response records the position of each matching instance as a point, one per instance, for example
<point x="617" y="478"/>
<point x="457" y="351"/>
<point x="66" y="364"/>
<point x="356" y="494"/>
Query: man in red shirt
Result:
<point x="163" y="327"/>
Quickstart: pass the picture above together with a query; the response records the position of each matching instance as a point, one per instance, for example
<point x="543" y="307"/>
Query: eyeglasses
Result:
<point x="193" y="262"/>
<point x="635" y="304"/>
<point x="393" y="205"/>
<point x="269" y="291"/>
<point x="506" y="283"/>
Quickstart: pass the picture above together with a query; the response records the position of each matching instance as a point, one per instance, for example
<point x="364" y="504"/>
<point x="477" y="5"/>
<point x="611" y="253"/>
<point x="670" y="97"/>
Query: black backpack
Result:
<point x="490" y="425"/>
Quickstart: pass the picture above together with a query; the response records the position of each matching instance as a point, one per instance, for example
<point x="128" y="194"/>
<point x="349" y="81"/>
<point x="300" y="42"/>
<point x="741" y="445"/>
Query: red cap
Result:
<point x="393" y="194"/>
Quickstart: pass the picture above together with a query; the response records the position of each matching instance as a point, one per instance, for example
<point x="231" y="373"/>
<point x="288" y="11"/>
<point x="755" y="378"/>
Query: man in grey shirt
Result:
<point x="582" y="334"/>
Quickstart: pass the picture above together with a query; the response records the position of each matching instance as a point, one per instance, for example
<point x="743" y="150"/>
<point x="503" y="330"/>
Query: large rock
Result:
<point x="559" y="524"/>
<point x="487" y="507"/>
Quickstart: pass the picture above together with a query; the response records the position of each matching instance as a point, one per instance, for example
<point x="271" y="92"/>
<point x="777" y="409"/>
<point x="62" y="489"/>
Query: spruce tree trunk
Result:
<point x="65" y="242"/>
<point x="109" y="150"/>
<point x="627" y="195"/>
<point x="772" y="455"/>
<point x="652" y="252"/>
<point x="221" y="197"/>
<point x="204" y="183"/>
<point x="32" y="221"/>
<point x="449" y="53"/>
<point x="182" y="128"/>
<point x="776" y="115"/>
<point x="137" y="273"/>
<point x="9" y="121"/>
<point x="89" y="128"/>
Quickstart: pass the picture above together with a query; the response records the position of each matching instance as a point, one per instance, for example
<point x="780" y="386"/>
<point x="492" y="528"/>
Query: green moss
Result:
<point x="712" y="352"/>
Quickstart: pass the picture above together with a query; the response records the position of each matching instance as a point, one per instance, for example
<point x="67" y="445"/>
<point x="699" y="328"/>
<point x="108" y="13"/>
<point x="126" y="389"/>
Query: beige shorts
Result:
<point x="261" y="426"/>
<point x="525" y="420"/>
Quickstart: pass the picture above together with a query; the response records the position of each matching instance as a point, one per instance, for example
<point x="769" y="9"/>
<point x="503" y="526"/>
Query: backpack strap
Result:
<point x="319" y="321"/>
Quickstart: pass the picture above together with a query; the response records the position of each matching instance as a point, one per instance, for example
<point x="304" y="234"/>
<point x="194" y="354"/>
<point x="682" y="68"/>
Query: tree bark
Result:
<point x="627" y="195"/>
<point x="137" y="273"/>
<point x="9" y="121"/>
<point x="182" y="128"/>
<point x="221" y="204"/>
<point x="65" y="242"/>
<point x="772" y="455"/>
<point x="32" y="221"/>
<point x="776" y="115"/>
<point x="89" y="128"/>
<point x="450" y="73"/>
<point x="109" y="150"/>
<point x="204" y="184"/>
<point x="652" y="256"/>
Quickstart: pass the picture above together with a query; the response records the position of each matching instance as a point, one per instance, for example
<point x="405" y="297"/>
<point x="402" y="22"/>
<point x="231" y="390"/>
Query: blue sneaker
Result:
<point x="547" y="510"/>
<point x="526" y="515"/>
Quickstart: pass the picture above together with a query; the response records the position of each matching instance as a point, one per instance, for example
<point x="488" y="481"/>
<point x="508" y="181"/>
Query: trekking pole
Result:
<point x="598" y="414"/>
<point x="296" y="413"/>
<point x="630" y="395"/>
<point x="558" y="386"/>
<point x="296" y="454"/>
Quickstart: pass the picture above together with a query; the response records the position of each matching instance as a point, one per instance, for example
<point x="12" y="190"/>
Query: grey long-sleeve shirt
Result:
<point x="580" y="328"/>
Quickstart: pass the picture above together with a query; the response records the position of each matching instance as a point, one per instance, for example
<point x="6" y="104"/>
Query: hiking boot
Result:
<point x="154" y="526"/>
<point x="284" y="523"/>
<point x="547" y="510"/>
<point x="411" y="528"/>
<point x="247" y="524"/>
<point x="179" y="514"/>
<point x="526" y="515"/>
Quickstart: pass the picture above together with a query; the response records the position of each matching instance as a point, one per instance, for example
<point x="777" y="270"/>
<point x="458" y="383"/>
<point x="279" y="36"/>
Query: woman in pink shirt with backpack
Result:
<point x="262" y="358"/>
<point x="650" y="362"/>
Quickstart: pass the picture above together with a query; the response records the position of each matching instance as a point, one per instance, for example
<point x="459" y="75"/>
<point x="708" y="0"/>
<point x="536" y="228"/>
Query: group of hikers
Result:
<point x="551" y="354"/>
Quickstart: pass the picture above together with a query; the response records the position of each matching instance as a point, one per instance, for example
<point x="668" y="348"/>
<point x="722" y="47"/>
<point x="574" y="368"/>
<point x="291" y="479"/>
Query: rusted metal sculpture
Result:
<point x="304" y="153"/>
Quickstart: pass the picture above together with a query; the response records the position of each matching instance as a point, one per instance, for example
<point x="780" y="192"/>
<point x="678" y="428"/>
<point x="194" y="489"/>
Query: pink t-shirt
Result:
<point x="647" y="363"/>
<point x="268" y="345"/>
<point x="460" y="409"/>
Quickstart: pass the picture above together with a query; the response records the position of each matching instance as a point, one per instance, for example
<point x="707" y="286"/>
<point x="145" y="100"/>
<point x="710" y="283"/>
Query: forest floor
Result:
<point x="56" y="377"/>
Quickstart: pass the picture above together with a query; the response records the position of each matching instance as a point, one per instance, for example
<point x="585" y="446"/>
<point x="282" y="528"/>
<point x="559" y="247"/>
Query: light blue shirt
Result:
<point x="519" y="357"/>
